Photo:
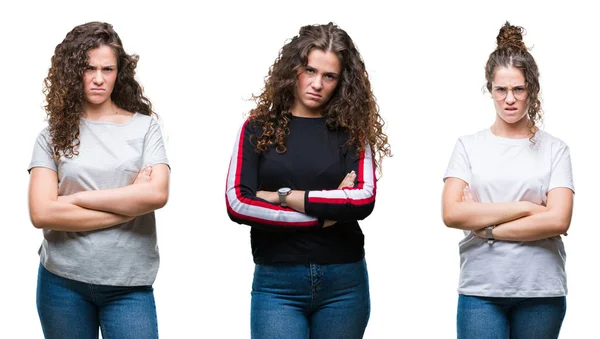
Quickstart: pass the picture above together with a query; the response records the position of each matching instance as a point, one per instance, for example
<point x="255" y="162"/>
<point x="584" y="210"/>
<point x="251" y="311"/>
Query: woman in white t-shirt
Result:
<point x="98" y="172"/>
<point x="510" y="189"/>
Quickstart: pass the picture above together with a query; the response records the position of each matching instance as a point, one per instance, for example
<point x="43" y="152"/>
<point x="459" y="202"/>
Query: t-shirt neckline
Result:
<point x="108" y="122"/>
<point x="509" y="141"/>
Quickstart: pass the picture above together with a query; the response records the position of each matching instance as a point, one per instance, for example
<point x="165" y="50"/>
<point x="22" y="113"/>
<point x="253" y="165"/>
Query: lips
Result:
<point x="314" y="95"/>
<point x="97" y="89"/>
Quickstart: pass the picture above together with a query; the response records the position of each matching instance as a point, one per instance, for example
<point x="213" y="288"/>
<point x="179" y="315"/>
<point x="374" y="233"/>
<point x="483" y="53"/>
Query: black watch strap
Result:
<point x="489" y="234"/>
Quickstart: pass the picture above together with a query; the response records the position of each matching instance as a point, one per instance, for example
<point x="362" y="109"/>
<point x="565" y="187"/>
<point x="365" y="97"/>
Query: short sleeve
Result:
<point x="459" y="166"/>
<point x="561" y="174"/>
<point x="43" y="155"/>
<point x="154" y="147"/>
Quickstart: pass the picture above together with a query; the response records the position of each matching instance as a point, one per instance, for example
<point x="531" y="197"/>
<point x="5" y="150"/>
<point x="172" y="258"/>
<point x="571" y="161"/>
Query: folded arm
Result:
<point x="149" y="192"/>
<point x="554" y="220"/>
<point x="354" y="202"/>
<point x="243" y="204"/>
<point x="471" y="215"/>
<point x="47" y="212"/>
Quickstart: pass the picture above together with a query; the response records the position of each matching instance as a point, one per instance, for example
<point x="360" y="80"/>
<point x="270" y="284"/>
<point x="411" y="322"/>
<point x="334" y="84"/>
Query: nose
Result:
<point x="510" y="97"/>
<point x="317" y="83"/>
<point x="98" y="79"/>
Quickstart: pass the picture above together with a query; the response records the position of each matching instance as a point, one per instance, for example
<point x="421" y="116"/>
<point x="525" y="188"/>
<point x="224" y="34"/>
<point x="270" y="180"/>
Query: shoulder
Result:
<point x="477" y="138"/>
<point x="144" y="119"/>
<point x="44" y="135"/>
<point x="142" y="123"/>
<point x="251" y="126"/>
<point x="548" y="140"/>
<point x="45" y="132"/>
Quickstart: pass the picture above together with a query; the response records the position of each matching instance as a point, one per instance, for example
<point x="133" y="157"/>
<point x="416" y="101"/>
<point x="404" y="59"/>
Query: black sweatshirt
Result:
<point x="316" y="161"/>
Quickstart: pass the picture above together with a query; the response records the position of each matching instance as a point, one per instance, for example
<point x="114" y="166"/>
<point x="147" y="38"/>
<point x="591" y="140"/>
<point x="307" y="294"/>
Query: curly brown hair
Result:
<point x="63" y="86"/>
<point x="512" y="52"/>
<point x="352" y="106"/>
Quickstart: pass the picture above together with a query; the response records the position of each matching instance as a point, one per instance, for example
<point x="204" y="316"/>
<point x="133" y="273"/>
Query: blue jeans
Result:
<point x="73" y="309"/>
<point x="310" y="301"/>
<point x="515" y="318"/>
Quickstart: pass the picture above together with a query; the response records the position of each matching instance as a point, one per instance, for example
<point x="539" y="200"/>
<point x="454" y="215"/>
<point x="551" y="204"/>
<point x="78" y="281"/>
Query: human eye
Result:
<point x="309" y="70"/>
<point x="108" y="69"/>
<point x="330" y="76"/>
<point x="88" y="68"/>
<point x="519" y="90"/>
<point x="500" y="90"/>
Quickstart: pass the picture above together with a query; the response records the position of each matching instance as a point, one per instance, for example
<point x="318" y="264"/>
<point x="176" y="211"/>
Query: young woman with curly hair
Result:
<point x="301" y="175"/>
<point x="510" y="188"/>
<point x="98" y="172"/>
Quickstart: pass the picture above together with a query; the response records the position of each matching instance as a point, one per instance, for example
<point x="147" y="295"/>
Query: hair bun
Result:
<point x="511" y="37"/>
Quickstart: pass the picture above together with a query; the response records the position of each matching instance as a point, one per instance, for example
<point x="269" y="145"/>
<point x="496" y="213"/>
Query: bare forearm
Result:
<point x="61" y="216"/>
<point x="475" y="215"/>
<point x="535" y="227"/>
<point x="132" y="200"/>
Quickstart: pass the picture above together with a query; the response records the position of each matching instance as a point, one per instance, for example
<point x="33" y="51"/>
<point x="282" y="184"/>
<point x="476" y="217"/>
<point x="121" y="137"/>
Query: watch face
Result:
<point x="284" y="190"/>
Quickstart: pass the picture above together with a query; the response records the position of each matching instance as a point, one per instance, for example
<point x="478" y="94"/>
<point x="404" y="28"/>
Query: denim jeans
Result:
<point x="514" y="318"/>
<point x="310" y="301"/>
<point x="73" y="309"/>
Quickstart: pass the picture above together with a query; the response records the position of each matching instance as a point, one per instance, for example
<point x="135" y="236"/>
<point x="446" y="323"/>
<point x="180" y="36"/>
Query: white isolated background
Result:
<point x="200" y="63"/>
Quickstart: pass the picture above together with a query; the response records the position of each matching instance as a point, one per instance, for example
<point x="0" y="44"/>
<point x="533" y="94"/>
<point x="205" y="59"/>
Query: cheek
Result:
<point x="112" y="80"/>
<point x="86" y="81"/>
<point x="302" y="81"/>
<point x="331" y="88"/>
<point x="497" y="106"/>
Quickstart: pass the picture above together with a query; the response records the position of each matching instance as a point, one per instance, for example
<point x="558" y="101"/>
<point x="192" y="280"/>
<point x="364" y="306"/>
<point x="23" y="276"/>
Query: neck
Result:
<point x="518" y="130"/>
<point x="303" y="112"/>
<point x="97" y="111"/>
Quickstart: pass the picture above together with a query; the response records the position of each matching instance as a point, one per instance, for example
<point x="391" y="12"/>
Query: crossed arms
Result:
<point x="94" y="210"/>
<point x="307" y="209"/>
<point x="515" y="221"/>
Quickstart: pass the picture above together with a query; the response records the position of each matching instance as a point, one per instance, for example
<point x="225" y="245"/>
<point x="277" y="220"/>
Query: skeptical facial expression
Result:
<point x="509" y="91"/>
<point x="100" y="75"/>
<point x="316" y="82"/>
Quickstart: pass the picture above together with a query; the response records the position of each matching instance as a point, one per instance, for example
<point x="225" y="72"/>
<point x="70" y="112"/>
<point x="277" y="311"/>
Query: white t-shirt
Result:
<point x="502" y="170"/>
<point x="110" y="156"/>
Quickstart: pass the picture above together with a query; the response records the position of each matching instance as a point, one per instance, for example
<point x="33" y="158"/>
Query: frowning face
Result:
<point x="316" y="83"/>
<point x="100" y="75"/>
<point x="509" y="91"/>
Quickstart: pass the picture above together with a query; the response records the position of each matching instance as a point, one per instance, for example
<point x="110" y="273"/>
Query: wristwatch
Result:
<point x="283" y="192"/>
<point x="489" y="235"/>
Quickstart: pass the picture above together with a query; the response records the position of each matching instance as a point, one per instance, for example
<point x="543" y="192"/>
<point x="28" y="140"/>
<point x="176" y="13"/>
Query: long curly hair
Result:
<point x="352" y="106"/>
<point x="63" y="86"/>
<point x="512" y="52"/>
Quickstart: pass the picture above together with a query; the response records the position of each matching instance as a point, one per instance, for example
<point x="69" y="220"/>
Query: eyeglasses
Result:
<point x="500" y="93"/>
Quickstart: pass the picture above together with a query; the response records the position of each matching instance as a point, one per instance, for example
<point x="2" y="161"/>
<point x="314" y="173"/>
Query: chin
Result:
<point x="512" y="120"/>
<point x="95" y="101"/>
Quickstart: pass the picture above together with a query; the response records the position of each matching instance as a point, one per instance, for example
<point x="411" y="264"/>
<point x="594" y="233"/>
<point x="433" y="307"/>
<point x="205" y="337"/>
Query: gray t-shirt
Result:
<point x="110" y="156"/>
<point x="502" y="170"/>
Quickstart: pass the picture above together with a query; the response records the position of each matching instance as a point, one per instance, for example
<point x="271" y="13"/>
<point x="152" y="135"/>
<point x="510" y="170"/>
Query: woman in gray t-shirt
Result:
<point x="510" y="188"/>
<point x="98" y="172"/>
